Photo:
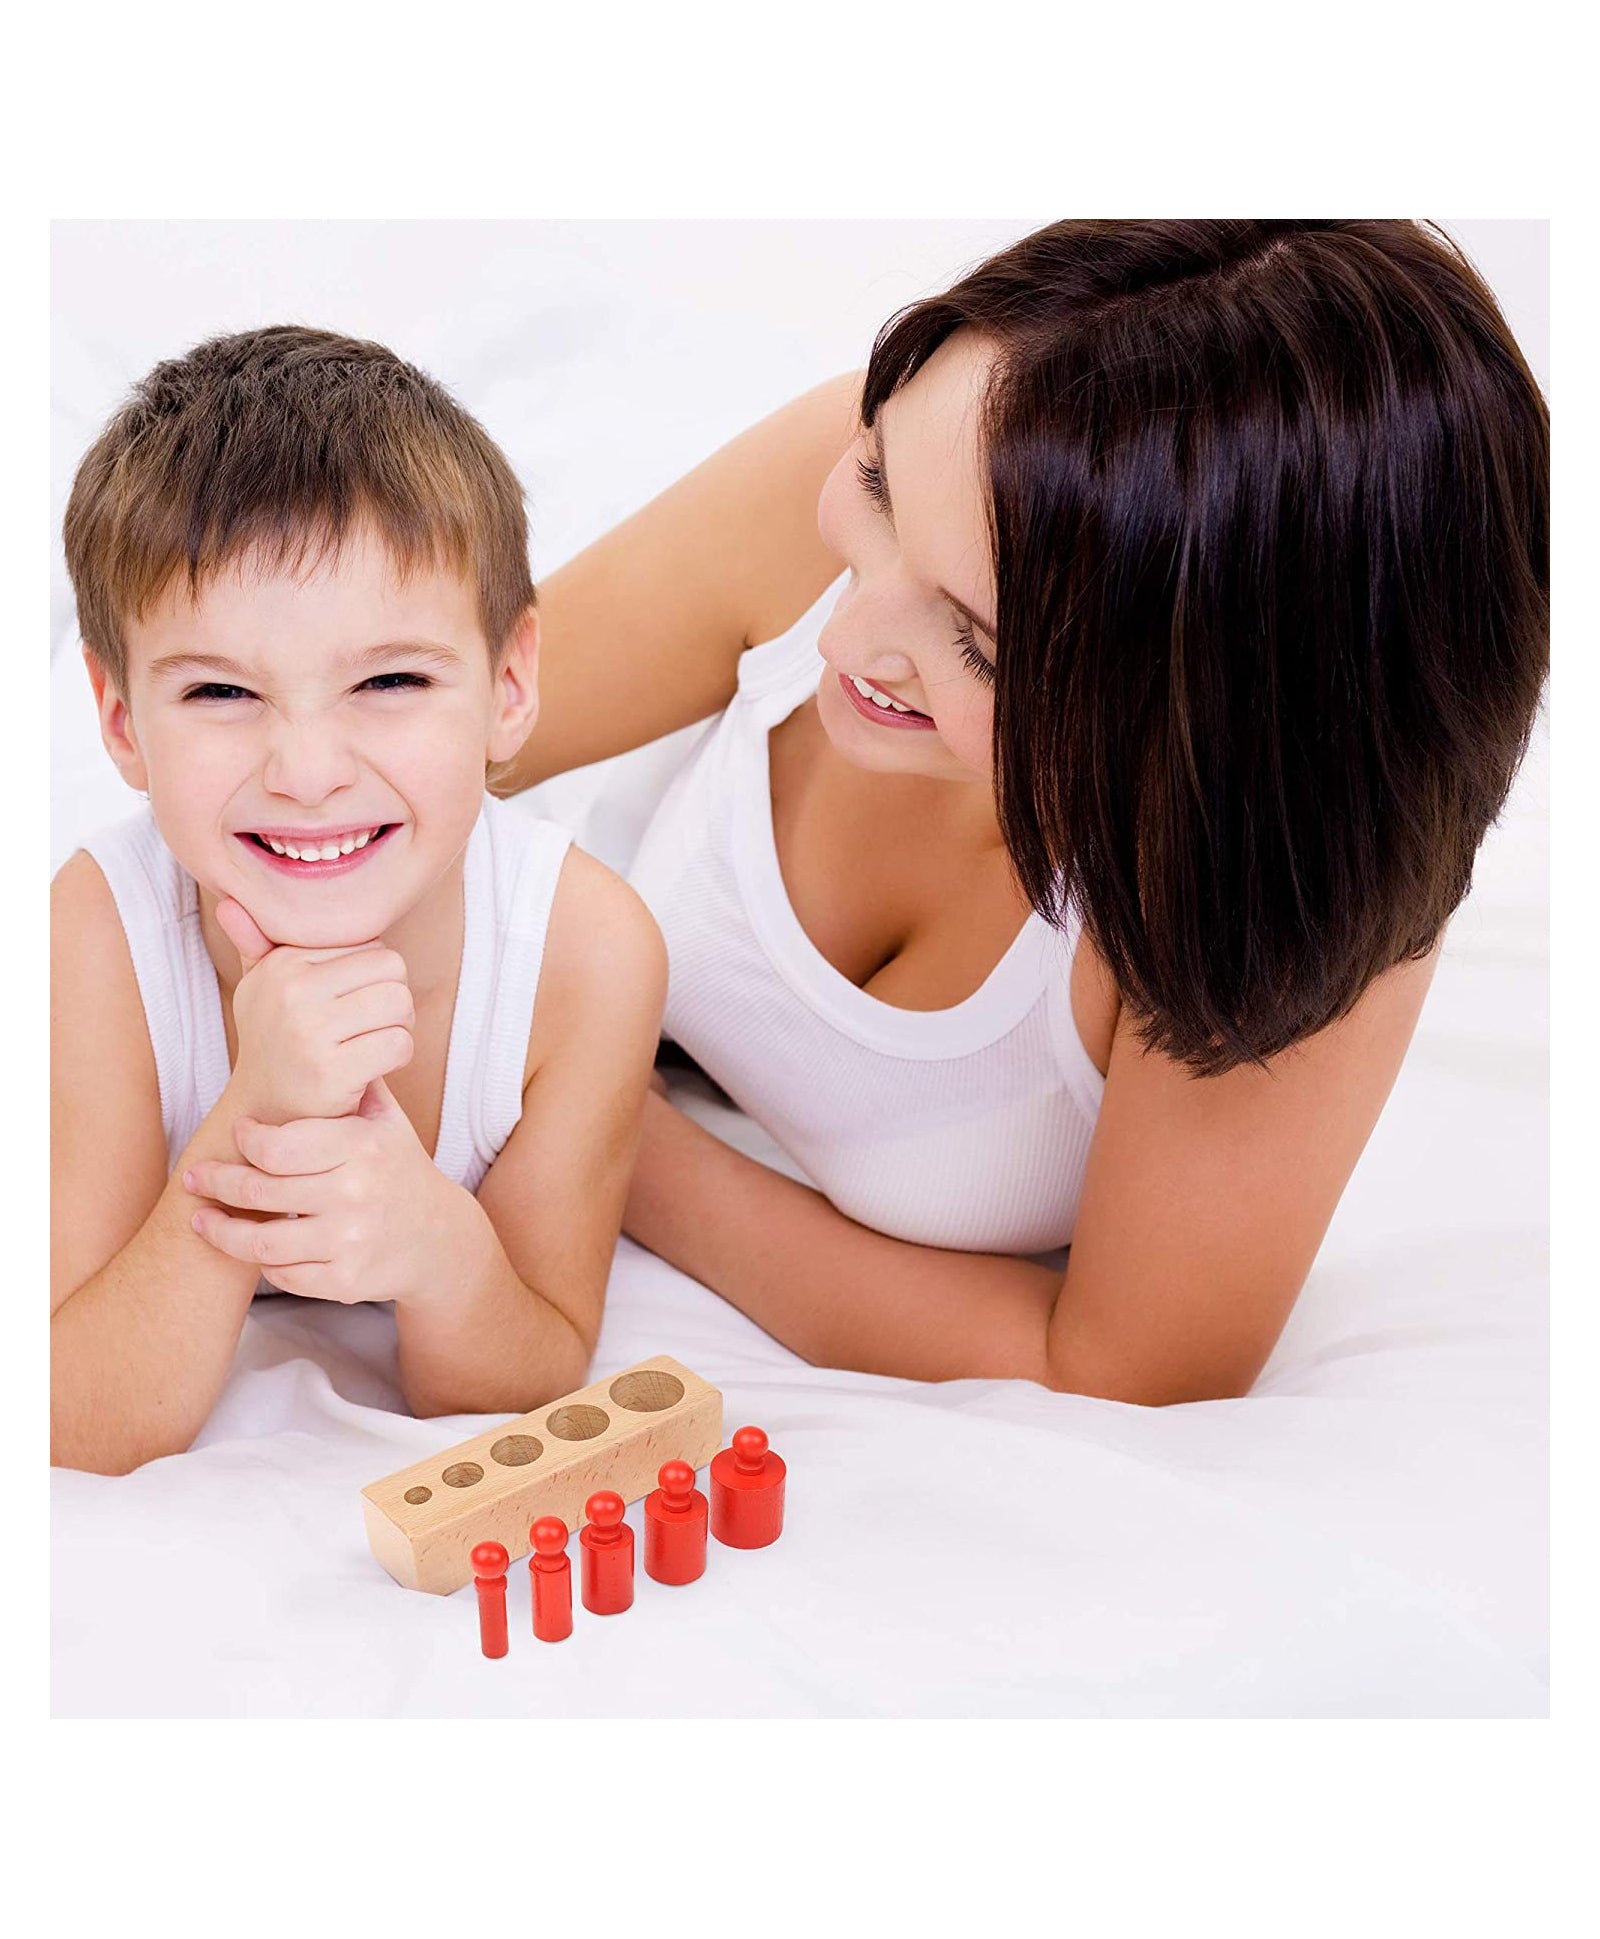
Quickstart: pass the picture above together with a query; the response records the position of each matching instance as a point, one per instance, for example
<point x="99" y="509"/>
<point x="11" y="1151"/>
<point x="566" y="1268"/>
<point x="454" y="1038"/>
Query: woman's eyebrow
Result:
<point x="881" y="458"/>
<point x="966" y="612"/>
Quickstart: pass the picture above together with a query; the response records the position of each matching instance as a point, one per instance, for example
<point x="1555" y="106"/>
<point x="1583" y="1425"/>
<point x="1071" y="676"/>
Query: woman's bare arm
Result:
<point x="1203" y="1208"/>
<point x="641" y="633"/>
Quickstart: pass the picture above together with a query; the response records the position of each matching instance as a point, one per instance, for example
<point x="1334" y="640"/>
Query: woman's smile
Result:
<point x="875" y="705"/>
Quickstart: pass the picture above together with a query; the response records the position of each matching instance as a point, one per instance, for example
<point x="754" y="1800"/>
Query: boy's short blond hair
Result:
<point x="275" y="443"/>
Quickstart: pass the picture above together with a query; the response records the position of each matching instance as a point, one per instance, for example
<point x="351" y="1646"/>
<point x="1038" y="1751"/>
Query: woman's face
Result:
<point x="905" y="508"/>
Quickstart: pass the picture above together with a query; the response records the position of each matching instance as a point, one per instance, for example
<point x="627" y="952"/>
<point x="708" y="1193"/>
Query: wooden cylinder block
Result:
<point x="424" y="1522"/>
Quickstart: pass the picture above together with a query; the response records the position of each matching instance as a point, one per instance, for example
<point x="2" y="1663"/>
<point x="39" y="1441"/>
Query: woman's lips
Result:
<point x="319" y="870"/>
<point x="883" y="716"/>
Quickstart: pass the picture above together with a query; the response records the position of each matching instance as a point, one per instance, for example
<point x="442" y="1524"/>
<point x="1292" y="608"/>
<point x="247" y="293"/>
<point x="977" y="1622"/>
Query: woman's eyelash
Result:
<point x="971" y="655"/>
<point x="872" y="484"/>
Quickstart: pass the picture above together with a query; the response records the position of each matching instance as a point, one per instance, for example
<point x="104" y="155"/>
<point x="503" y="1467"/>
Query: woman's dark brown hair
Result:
<point x="1270" y="524"/>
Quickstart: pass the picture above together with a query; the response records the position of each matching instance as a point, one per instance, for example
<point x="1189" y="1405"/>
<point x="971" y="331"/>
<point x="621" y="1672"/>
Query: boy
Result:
<point x="324" y="954"/>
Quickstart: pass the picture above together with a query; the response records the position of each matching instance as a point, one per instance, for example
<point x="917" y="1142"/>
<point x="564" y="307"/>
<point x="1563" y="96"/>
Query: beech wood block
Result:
<point x="424" y="1522"/>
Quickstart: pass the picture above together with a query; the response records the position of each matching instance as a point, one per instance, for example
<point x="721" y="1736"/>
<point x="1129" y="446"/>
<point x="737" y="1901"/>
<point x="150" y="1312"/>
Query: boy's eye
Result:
<point x="394" y="683"/>
<point x="218" y="690"/>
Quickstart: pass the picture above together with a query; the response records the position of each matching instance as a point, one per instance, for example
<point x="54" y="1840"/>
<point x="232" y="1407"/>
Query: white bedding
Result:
<point x="1365" y="1535"/>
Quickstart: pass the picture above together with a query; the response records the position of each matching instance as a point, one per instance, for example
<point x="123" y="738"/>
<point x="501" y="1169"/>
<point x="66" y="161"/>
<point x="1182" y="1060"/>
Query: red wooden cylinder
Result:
<point x="675" y="1527"/>
<point x="607" y="1544"/>
<point x="490" y="1562"/>
<point x="550" y="1574"/>
<point x="747" y="1492"/>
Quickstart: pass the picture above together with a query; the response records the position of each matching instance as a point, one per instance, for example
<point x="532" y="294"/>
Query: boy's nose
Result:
<point x="307" y="763"/>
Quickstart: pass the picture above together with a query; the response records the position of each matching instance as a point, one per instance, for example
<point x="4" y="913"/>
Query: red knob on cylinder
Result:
<point x="747" y="1492"/>
<point x="607" y="1543"/>
<point x="550" y="1573"/>
<point x="675" y="1526"/>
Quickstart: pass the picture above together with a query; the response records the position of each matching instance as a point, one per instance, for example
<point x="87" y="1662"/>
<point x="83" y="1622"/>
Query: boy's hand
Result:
<point x="377" y="1219"/>
<point x="316" y="1026"/>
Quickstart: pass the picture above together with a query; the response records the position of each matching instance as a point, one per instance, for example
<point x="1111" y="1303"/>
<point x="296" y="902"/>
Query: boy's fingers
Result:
<point x="265" y="1242"/>
<point x="244" y="932"/>
<point x="305" y="1145"/>
<point x="251" y="1190"/>
<point x="345" y="970"/>
<point x="377" y="1006"/>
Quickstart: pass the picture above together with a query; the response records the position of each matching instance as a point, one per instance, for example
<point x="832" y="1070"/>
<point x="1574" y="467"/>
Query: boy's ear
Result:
<point x="116" y="723"/>
<point x="516" y="689"/>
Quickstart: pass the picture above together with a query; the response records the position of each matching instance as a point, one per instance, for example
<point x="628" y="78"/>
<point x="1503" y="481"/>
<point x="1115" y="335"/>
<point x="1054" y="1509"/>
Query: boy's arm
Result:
<point x="520" y="1327"/>
<point x="145" y="1316"/>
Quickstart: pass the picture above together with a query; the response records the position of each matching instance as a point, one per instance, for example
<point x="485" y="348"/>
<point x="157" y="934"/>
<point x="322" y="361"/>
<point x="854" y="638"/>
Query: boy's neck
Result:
<point x="428" y="935"/>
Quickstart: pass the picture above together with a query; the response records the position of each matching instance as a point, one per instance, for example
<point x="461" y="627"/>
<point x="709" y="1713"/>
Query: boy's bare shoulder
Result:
<point x="604" y="968"/>
<point x="99" y="1042"/>
<point x="86" y="936"/>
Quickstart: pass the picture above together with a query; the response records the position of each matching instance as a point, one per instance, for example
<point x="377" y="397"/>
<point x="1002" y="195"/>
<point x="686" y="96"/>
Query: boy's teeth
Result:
<point x="320" y="851"/>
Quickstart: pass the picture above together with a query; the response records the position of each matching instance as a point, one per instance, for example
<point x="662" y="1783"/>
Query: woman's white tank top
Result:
<point x="512" y="866"/>
<point x="967" y="1127"/>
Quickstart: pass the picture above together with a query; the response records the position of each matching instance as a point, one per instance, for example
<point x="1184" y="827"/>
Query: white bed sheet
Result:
<point x="1364" y="1535"/>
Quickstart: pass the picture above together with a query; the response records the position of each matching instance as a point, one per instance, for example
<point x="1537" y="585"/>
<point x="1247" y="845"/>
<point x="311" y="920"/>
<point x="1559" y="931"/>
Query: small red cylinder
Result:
<point x="675" y="1527"/>
<point x="550" y="1574"/>
<point x="747" y="1492"/>
<point x="489" y="1563"/>
<point x="607" y="1544"/>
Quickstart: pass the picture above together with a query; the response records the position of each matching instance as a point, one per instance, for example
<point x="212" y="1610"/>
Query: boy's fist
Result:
<point x="315" y="1026"/>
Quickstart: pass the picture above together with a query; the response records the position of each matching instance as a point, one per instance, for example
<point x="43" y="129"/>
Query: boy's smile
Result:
<point x="317" y="854"/>
<point x="313" y="734"/>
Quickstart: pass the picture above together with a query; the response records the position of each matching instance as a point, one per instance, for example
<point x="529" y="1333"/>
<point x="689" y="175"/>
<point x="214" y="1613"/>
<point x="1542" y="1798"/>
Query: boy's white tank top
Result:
<point x="512" y="865"/>
<point x="967" y="1127"/>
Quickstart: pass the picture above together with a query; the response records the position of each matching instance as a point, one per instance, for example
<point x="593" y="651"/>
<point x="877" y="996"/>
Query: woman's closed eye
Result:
<point x="972" y="654"/>
<point x="871" y="477"/>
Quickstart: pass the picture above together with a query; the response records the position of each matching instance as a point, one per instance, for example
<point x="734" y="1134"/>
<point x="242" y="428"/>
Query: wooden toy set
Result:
<point x="464" y="1515"/>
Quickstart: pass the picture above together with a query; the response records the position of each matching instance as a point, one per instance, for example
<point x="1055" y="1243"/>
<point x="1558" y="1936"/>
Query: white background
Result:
<point x="647" y="111"/>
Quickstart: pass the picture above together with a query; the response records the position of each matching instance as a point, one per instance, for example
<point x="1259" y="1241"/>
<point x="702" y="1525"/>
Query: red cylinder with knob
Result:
<point x="607" y="1543"/>
<point x="747" y="1492"/>
<point x="675" y="1527"/>
<point x="550" y="1573"/>
<point x="489" y="1564"/>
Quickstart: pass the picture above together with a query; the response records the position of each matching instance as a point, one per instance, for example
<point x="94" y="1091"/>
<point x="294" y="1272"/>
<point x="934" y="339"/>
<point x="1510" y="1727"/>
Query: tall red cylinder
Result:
<point x="675" y="1527"/>
<point x="550" y="1575"/>
<point x="607" y="1544"/>
<point x="489" y="1564"/>
<point x="747" y="1492"/>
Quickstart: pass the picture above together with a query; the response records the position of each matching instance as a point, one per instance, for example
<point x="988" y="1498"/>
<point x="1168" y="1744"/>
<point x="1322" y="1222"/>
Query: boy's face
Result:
<point x="313" y="743"/>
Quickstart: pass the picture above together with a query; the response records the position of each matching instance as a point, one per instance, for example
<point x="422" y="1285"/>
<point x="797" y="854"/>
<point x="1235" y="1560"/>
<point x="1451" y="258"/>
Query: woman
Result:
<point x="1076" y="872"/>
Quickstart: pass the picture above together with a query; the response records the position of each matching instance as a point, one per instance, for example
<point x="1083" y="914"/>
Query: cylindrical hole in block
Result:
<point x="647" y="1391"/>
<point x="516" y="1450"/>
<point x="462" y="1475"/>
<point x="580" y="1423"/>
<point x="417" y="1496"/>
